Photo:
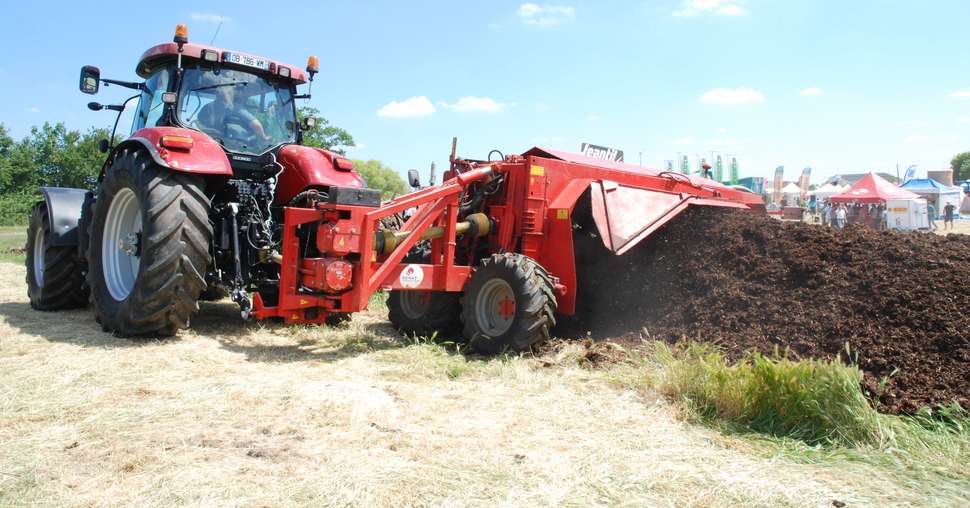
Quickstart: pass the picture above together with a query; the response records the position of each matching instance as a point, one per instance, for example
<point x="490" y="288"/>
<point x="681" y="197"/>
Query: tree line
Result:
<point x="53" y="155"/>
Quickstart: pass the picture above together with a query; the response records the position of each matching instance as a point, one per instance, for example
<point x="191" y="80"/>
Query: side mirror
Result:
<point x="309" y="123"/>
<point x="414" y="179"/>
<point x="90" y="79"/>
<point x="103" y="146"/>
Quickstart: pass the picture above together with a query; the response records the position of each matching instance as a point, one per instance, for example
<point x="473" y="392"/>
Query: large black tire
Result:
<point x="173" y="248"/>
<point x="424" y="313"/>
<point x="55" y="276"/>
<point x="509" y="304"/>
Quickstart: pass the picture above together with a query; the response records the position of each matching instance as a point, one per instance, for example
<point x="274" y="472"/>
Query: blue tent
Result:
<point x="936" y="193"/>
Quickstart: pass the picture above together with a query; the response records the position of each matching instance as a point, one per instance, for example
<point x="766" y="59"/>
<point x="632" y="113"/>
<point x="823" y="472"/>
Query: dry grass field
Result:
<point x="236" y="414"/>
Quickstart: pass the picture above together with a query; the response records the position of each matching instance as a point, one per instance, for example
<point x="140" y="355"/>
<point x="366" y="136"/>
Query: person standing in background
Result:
<point x="948" y="212"/>
<point x="840" y="215"/>
<point x="931" y="211"/>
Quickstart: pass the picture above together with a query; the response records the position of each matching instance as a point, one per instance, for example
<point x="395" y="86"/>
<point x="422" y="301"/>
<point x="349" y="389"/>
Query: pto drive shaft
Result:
<point x="476" y="225"/>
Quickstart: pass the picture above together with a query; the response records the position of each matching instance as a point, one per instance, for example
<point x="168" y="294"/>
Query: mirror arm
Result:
<point x="111" y="143"/>
<point x="127" y="84"/>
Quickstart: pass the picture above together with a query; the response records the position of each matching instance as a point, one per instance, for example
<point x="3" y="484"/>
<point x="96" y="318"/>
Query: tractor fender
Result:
<point x="206" y="156"/>
<point x="308" y="167"/>
<point x="64" y="212"/>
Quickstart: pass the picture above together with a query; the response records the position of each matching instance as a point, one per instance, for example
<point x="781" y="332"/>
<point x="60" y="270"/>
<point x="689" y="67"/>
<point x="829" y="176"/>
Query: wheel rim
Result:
<point x="120" y="256"/>
<point x="495" y="307"/>
<point x="414" y="304"/>
<point x="39" y="257"/>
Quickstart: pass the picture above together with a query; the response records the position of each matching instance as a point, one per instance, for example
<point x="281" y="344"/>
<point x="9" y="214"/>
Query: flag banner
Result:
<point x="804" y="183"/>
<point x="701" y="160"/>
<point x="910" y="173"/>
<point x="669" y="165"/>
<point x="733" y="170"/>
<point x="601" y="152"/>
<point x="778" y="184"/>
<point x="685" y="164"/>
<point x="719" y="168"/>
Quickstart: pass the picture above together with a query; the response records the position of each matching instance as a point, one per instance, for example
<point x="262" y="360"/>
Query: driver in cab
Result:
<point x="229" y="108"/>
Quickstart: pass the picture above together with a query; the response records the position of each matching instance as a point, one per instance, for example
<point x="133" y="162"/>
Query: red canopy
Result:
<point x="873" y="188"/>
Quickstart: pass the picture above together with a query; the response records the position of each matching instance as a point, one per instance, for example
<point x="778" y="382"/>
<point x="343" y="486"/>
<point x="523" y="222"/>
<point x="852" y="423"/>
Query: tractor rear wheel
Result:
<point x="149" y="247"/>
<point x="509" y="304"/>
<point x="55" y="279"/>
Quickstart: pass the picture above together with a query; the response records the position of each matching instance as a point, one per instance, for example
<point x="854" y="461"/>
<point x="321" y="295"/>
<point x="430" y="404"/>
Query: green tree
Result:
<point x="379" y="176"/>
<point x="961" y="166"/>
<point x="323" y="135"/>
<point x="50" y="155"/>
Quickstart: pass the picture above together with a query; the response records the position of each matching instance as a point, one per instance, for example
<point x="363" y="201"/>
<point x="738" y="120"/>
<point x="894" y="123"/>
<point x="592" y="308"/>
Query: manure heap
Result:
<point x="751" y="283"/>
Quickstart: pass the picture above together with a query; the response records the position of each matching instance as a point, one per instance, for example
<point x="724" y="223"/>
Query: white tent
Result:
<point x="791" y="194"/>
<point x="936" y="193"/>
<point x="826" y="191"/>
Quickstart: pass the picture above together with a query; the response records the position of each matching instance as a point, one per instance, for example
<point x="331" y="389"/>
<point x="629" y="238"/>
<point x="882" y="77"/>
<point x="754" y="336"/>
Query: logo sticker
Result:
<point x="411" y="276"/>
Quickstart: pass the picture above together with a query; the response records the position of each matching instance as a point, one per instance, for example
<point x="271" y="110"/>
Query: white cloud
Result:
<point x="208" y="17"/>
<point x="811" y="92"/>
<point x="33" y="109"/>
<point x="545" y="14"/>
<point x="912" y="124"/>
<point x="965" y="119"/>
<point x="960" y="94"/>
<point x="722" y="130"/>
<point x="494" y="26"/>
<point x="593" y="117"/>
<point x="358" y="146"/>
<point x="691" y="8"/>
<point x="729" y="97"/>
<point x="471" y="103"/>
<point x="915" y="138"/>
<point x="684" y="141"/>
<point x="413" y="107"/>
<point x="542" y="107"/>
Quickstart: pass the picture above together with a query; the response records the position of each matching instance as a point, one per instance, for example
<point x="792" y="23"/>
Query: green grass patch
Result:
<point x="816" y="401"/>
<point x="12" y="242"/>
<point x="813" y="411"/>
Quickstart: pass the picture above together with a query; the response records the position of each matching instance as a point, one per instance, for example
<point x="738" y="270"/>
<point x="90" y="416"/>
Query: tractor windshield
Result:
<point x="243" y="111"/>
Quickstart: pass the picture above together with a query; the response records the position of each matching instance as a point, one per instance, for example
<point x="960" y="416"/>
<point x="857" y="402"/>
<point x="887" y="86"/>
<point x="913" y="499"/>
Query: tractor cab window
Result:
<point x="150" y="106"/>
<point x="244" y="112"/>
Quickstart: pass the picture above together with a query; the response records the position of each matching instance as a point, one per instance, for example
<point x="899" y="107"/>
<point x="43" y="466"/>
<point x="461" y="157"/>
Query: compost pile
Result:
<point x="751" y="283"/>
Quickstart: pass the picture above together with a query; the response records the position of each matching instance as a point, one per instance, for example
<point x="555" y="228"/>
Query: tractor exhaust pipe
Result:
<point x="476" y="225"/>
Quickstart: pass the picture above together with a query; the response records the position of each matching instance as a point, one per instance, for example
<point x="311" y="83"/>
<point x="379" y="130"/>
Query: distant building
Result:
<point x="852" y="178"/>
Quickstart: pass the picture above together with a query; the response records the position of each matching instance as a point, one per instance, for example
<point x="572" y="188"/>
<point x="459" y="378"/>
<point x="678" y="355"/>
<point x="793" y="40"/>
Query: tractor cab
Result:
<point x="243" y="102"/>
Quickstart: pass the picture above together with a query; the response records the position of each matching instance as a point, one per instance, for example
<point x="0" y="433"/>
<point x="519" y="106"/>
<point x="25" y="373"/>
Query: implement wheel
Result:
<point x="149" y="247"/>
<point x="423" y="312"/>
<point x="509" y="304"/>
<point x="55" y="279"/>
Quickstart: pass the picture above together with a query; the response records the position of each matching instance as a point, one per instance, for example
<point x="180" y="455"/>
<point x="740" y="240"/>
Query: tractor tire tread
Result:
<point x="175" y="251"/>
<point x="63" y="286"/>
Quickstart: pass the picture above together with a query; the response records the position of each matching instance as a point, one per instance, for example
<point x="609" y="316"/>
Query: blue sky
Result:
<point x="841" y="86"/>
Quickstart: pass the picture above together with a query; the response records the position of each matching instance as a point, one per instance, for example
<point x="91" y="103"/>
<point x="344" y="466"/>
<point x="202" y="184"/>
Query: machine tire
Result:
<point x="423" y="313"/>
<point x="56" y="280"/>
<point x="339" y="319"/>
<point x="531" y="315"/>
<point x="173" y="247"/>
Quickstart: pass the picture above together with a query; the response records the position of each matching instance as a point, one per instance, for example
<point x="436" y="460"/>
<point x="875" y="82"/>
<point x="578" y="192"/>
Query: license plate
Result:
<point x="247" y="60"/>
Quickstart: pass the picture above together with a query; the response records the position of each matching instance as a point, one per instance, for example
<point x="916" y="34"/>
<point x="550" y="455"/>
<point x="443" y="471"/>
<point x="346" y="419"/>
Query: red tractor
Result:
<point x="213" y="193"/>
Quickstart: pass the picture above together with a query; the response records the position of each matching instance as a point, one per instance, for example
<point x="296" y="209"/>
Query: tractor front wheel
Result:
<point x="509" y="304"/>
<point x="149" y="247"/>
